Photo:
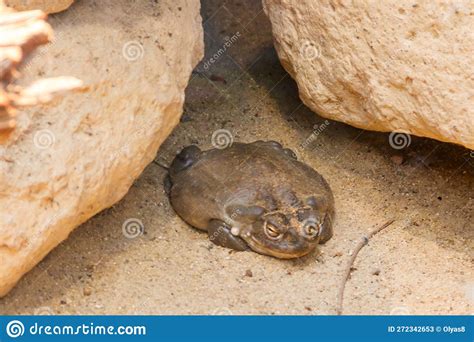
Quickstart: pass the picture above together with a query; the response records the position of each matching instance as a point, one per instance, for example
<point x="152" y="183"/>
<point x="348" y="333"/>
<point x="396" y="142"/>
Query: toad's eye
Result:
<point x="311" y="229"/>
<point x="271" y="231"/>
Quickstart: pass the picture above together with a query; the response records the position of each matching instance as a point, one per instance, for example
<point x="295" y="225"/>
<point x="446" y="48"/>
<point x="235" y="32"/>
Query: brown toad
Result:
<point x="253" y="195"/>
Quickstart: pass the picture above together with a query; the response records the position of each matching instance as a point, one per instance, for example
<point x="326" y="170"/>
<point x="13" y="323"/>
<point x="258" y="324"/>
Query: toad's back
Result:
<point x="249" y="174"/>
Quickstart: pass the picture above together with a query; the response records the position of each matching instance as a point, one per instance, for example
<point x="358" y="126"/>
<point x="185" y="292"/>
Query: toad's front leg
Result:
<point x="220" y="233"/>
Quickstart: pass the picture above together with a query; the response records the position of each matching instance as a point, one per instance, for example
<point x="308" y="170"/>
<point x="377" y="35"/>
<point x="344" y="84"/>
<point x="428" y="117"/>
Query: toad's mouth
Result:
<point x="258" y="247"/>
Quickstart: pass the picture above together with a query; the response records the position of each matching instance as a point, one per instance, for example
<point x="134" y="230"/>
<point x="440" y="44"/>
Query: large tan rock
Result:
<point x="69" y="160"/>
<point x="394" y="65"/>
<point x="48" y="6"/>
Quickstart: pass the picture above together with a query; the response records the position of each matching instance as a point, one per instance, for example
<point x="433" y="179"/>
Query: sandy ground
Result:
<point x="422" y="264"/>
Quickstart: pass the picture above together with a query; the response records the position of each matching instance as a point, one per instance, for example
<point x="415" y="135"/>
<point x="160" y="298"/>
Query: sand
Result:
<point x="421" y="264"/>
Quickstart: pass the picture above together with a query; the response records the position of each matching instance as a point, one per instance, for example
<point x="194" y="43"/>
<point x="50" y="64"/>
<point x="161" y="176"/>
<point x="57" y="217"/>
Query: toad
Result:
<point x="254" y="196"/>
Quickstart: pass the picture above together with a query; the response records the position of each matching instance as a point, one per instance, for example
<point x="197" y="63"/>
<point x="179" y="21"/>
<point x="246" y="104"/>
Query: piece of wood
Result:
<point x="364" y="241"/>
<point x="20" y="34"/>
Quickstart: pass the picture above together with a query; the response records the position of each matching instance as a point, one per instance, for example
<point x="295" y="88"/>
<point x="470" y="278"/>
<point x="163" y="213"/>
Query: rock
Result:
<point x="76" y="156"/>
<point x="382" y="65"/>
<point x="48" y="6"/>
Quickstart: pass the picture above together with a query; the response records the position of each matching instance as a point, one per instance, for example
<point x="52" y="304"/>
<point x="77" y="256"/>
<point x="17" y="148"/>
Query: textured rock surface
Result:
<point x="382" y="65"/>
<point x="69" y="160"/>
<point x="48" y="6"/>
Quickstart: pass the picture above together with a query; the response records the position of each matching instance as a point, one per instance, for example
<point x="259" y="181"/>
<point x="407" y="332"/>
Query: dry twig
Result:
<point x="350" y="264"/>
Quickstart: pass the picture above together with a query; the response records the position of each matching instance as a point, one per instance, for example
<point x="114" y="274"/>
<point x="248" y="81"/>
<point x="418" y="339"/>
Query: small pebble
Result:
<point x="217" y="78"/>
<point x="248" y="273"/>
<point x="185" y="118"/>
<point x="87" y="291"/>
<point x="397" y="159"/>
<point x="376" y="272"/>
